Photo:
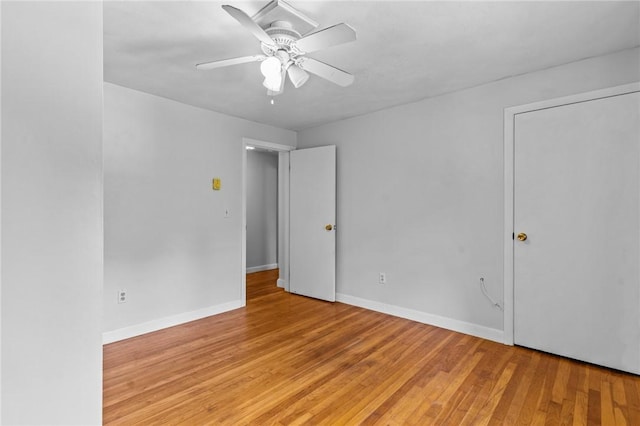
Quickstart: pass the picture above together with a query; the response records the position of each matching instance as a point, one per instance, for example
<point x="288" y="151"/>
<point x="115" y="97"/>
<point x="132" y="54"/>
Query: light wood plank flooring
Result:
<point x="288" y="360"/>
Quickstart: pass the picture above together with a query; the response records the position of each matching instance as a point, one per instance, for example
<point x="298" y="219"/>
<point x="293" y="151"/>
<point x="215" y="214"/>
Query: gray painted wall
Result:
<point x="262" y="208"/>
<point x="51" y="213"/>
<point x="420" y="190"/>
<point x="167" y="241"/>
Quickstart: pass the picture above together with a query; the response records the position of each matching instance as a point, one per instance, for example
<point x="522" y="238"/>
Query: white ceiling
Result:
<point x="406" y="51"/>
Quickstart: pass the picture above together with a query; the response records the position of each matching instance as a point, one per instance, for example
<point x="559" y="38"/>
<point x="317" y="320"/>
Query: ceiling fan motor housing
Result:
<point x="283" y="34"/>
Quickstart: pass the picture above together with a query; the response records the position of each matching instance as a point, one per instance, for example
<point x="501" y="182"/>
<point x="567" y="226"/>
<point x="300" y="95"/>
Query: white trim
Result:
<point x="509" y="140"/>
<point x="425" y="318"/>
<point x="507" y="292"/>
<point x="267" y="145"/>
<point x="283" y="219"/>
<point x="243" y="237"/>
<point x="574" y="99"/>
<point x="162" y="323"/>
<point x="0" y="217"/>
<point x="261" y="268"/>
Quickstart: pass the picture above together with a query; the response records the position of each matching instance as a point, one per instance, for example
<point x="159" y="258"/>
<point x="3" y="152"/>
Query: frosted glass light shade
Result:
<point x="297" y="75"/>
<point x="273" y="83"/>
<point x="270" y="67"/>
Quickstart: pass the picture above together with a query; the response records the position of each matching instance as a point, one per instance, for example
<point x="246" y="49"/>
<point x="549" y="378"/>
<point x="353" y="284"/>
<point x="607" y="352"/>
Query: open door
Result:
<point x="312" y="219"/>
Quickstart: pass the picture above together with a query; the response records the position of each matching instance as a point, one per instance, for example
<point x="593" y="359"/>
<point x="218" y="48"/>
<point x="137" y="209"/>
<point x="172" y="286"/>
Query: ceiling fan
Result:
<point x="284" y="48"/>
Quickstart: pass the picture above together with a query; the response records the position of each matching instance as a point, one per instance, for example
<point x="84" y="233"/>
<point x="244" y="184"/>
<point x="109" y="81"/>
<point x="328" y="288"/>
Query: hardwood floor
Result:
<point x="288" y="360"/>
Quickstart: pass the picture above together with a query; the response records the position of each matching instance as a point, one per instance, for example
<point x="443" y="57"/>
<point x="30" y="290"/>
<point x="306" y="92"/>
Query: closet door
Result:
<point x="577" y="234"/>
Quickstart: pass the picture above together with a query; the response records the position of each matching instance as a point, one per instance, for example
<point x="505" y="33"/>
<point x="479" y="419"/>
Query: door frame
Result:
<point x="283" y="212"/>
<point x="509" y="187"/>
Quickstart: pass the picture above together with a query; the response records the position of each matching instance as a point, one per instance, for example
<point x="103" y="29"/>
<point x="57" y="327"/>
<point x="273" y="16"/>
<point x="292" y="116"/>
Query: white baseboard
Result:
<point x="262" y="268"/>
<point x="280" y="283"/>
<point x="159" y="324"/>
<point x="425" y="318"/>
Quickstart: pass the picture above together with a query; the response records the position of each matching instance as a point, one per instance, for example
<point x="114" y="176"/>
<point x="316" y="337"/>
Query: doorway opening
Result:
<point x="282" y="255"/>
<point x="262" y="210"/>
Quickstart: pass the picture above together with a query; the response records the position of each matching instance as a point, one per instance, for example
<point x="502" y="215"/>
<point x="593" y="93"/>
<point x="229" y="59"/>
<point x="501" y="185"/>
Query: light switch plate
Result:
<point x="216" y="184"/>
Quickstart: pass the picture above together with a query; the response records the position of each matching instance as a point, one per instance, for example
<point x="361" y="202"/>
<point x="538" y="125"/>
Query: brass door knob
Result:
<point x="328" y="227"/>
<point x="521" y="236"/>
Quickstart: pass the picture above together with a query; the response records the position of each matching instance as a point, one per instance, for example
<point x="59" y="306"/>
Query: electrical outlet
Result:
<point x="122" y="296"/>
<point x="382" y="278"/>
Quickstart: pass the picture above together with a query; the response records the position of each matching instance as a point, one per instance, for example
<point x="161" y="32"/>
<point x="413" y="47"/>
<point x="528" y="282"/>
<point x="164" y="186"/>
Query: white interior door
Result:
<point x="312" y="216"/>
<point x="576" y="276"/>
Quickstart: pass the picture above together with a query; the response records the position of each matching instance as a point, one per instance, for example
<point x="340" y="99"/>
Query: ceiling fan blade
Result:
<point x="332" y="36"/>
<point x="246" y="21"/>
<point x="333" y="74"/>
<point x="227" y="62"/>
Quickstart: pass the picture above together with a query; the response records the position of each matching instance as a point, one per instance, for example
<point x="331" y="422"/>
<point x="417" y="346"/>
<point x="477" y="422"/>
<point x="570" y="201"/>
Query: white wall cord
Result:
<point x="486" y="294"/>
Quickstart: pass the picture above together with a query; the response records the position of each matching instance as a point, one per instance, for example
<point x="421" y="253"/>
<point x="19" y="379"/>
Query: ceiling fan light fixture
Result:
<point x="284" y="46"/>
<point x="273" y="83"/>
<point x="271" y="68"/>
<point x="297" y="75"/>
